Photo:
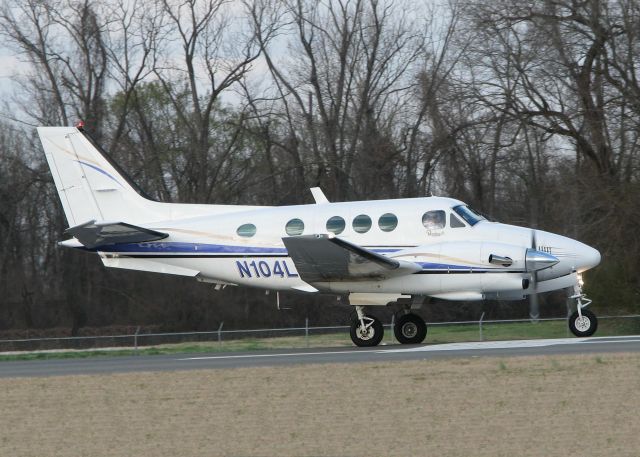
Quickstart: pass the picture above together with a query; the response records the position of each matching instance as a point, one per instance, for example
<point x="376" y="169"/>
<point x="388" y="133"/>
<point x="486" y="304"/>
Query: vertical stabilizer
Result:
<point x="89" y="186"/>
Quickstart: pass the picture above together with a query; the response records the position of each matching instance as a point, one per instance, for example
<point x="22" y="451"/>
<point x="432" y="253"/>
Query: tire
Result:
<point x="410" y="329"/>
<point x="372" y="337"/>
<point x="584" y="327"/>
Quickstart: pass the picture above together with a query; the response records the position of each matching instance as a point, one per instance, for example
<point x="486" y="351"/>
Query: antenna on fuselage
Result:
<point x="280" y="308"/>
<point x="318" y="195"/>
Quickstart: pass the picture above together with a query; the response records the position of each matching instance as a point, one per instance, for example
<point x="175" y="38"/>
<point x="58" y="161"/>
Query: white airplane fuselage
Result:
<point x="453" y="260"/>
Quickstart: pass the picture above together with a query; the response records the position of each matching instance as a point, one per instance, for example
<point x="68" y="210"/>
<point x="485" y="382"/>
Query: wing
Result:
<point x="93" y="234"/>
<point x="322" y="258"/>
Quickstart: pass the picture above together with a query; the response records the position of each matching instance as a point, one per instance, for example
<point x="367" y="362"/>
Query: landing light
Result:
<point x="580" y="280"/>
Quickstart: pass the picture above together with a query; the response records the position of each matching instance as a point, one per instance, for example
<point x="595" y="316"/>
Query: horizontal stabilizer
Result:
<point x="93" y="234"/>
<point x="323" y="258"/>
<point x="306" y="288"/>
<point x="151" y="265"/>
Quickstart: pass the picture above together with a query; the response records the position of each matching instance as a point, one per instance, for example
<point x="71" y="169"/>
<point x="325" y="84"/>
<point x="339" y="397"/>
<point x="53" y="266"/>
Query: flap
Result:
<point x="93" y="234"/>
<point x="323" y="258"/>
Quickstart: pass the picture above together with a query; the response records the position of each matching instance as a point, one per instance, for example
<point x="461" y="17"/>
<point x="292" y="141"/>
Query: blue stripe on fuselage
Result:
<point x="231" y="250"/>
<point x="189" y="248"/>
<point x="442" y="266"/>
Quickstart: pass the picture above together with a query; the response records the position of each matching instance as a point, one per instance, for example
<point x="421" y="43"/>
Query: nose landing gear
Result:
<point x="582" y="322"/>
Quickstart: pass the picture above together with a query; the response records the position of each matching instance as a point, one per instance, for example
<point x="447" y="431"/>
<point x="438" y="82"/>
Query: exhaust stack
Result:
<point x="500" y="260"/>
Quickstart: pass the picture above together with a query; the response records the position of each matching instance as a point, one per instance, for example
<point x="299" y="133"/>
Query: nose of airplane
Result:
<point x="586" y="257"/>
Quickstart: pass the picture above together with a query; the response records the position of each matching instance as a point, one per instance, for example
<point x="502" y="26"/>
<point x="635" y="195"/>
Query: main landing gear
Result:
<point x="367" y="330"/>
<point x="409" y="329"/>
<point x="582" y="322"/>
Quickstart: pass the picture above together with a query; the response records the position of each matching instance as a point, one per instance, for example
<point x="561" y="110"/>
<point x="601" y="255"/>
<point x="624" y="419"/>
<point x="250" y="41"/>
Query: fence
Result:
<point x="137" y="339"/>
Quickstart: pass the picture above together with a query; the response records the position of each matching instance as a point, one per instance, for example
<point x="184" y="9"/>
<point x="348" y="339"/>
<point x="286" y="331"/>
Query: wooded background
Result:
<point x="527" y="111"/>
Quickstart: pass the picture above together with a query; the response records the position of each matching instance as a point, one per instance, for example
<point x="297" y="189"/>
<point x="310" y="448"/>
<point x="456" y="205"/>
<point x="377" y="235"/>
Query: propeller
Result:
<point x="535" y="261"/>
<point x="534" y="305"/>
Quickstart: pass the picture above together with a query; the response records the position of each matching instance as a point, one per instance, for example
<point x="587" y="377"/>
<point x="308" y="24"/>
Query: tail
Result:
<point x="90" y="186"/>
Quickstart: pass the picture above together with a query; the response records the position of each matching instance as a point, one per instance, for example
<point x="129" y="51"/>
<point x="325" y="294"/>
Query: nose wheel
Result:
<point x="583" y="324"/>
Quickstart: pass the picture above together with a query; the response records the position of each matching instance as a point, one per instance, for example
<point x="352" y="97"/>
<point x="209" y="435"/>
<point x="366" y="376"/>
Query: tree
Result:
<point x="546" y="65"/>
<point x="345" y="81"/>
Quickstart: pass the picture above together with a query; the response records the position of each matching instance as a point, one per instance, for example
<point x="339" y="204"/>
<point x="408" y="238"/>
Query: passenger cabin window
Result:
<point x="362" y="223"/>
<point x="246" y="230"/>
<point x="387" y="222"/>
<point x="294" y="227"/>
<point x="434" y="220"/>
<point x="336" y="225"/>
<point x="454" y="222"/>
<point x="470" y="216"/>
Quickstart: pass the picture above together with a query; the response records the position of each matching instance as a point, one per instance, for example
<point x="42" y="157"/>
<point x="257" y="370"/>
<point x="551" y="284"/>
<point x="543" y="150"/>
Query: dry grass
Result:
<point x="537" y="406"/>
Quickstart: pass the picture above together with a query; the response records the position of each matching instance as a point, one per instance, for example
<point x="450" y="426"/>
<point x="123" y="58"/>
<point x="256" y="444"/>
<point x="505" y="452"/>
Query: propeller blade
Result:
<point x="534" y="243"/>
<point x="534" y="304"/>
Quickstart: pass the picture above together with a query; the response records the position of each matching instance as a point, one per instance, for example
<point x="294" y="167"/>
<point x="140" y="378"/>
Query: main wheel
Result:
<point x="585" y="325"/>
<point x="370" y="335"/>
<point x="410" y="329"/>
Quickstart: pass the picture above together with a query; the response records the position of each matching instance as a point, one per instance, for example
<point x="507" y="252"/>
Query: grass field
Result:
<point x="527" y="406"/>
<point x="436" y="334"/>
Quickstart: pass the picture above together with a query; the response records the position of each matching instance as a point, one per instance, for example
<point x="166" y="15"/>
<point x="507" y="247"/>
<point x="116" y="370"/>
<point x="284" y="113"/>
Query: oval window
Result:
<point x="336" y="225"/>
<point x="434" y="220"/>
<point x="246" y="230"/>
<point x="294" y="227"/>
<point x="387" y="222"/>
<point x="361" y="223"/>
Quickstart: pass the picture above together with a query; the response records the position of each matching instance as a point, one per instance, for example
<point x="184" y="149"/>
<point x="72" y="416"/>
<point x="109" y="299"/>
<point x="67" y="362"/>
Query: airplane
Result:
<point x="399" y="252"/>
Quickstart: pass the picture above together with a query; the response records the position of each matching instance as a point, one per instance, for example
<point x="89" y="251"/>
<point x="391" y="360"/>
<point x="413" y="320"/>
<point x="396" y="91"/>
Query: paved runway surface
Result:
<point x="106" y="365"/>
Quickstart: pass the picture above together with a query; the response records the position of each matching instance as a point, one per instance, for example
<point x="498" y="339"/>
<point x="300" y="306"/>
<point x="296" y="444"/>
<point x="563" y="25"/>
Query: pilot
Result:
<point x="433" y="220"/>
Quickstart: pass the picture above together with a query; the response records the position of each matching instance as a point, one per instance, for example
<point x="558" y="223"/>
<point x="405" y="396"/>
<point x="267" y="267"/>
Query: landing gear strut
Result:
<point x="582" y="322"/>
<point x="409" y="329"/>
<point x="366" y="331"/>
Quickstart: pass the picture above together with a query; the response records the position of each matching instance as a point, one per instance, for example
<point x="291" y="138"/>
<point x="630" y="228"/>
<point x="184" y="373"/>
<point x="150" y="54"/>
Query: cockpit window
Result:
<point x="472" y="217"/>
<point x="454" y="222"/>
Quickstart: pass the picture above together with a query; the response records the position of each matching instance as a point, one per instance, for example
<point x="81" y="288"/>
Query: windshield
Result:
<point x="472" y="217"/>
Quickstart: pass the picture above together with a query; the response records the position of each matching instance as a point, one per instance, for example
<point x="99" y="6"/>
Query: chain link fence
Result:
<point x="476" y="330"/>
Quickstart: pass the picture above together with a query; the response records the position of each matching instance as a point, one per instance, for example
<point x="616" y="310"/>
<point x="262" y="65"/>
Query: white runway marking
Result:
<point x="515" y="344"/>
<point x="285" y="354"/>
<point x="607" y="342"/>
<point x="478" y="345"/>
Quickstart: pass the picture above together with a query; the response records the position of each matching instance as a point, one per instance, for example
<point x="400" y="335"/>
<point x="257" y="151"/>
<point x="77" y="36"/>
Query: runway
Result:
<point x="216" y="360"/>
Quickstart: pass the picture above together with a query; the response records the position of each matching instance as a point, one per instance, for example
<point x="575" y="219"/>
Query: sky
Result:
<point x="11" y="65"/>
